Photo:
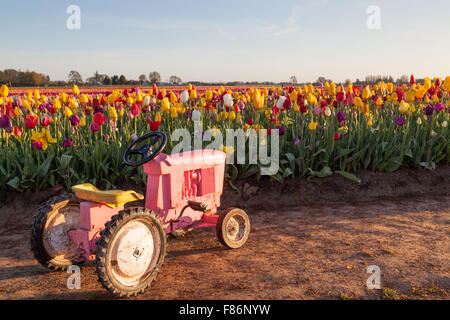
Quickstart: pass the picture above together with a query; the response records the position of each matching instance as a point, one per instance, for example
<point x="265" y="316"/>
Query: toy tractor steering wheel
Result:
<point x="146" y="151"/>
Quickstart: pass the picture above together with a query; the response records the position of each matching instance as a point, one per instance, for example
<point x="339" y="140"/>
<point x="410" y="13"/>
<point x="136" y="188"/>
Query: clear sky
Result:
<point x="206" y="40"/>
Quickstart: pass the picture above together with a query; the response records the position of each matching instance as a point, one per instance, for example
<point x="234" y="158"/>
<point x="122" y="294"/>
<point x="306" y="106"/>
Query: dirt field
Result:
<point x="310" y="239"/>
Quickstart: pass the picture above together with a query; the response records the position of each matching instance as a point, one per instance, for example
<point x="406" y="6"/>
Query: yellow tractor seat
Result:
<point x="111" y="198"/>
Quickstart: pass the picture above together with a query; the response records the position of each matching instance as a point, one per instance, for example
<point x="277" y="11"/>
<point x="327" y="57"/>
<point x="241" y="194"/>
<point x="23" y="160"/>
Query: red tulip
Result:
<point x="99" y="119"/>
<point x="340" y="96"/>
<point x="31" y="121"/>
<point x="17" y="131"/>
<point x="135" y="110"/>
<point x="154" y="125"/>
<point x="155" y="89"/>
<point x="45" y="121"/>
<point x="337" y="136"/>
<point x="36" y="145"/>
<point x="412" y="81"/>
<point x="94" y="127"/>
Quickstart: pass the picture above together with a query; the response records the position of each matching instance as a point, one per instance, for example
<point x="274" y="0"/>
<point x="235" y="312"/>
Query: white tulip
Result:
<point x="184" y="97"/>
<point x="444" y="124"/>
<point x="228" y="100"/>
<point x="327" y="112"/>
<point x="419" y="121"/>
<point x="146" y="101"/>
<point x="154" y="101"/>
<point x="281" y="101"/>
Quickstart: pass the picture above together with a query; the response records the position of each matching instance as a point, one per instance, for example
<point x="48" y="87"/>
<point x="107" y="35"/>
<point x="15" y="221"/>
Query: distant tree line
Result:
<point x="16" y="78"/>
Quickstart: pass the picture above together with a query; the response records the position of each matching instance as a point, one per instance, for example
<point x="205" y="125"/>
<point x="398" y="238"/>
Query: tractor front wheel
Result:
<point x="233" y="228"/>
<point x="130" y="252"/>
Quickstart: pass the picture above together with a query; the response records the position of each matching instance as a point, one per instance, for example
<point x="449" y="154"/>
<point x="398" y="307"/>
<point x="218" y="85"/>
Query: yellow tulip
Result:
<point x="37" y="95"/>
<point x="193" y="95"/>
<point x="76" y="91"/>
<point x="67" y="112"/>
<point x="293" y="96"/>
<point x="73" y="104"/>
<point x="312" y="125"/>
<point x="366" y="93"/>
<point x="4" y="91"/>
<point x="390" y="87"/>
<point x="404" y="107"/>
<point x="165" y="105"/>
<point x="410" y="95"/>
<point x="232" y="115"/>
<point x="379" y="102"/>
<point x="427" y="83"/>
<point x="57" y="104"/>
<point x="17" y="111"/>
<point x="139" y="97"/>
<point x="26" y="104"/>
<point x="173" y="97"/>
<point x="130" y="100"/>
<point x="84" y="98"/>
<point x="173" y="113"/>
<point x="358" y="102"/>
<point x="113" y="114"/>
<point x="64" y="97"/>
<point x="208" y="95"/>
<point x="82" y="121"/>
<point x="44" y="137"/>
<point x="158" y="117"/>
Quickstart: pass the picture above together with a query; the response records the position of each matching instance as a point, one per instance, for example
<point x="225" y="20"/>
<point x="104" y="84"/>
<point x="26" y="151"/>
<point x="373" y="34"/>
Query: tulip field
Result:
<point x="78" y="135"/>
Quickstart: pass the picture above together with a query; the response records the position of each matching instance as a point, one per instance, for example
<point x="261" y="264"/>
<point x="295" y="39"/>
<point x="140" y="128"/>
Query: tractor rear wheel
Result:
<point x="130" y="252"/>
<point x="50" y="240"/>
<point x="233" y="228"/>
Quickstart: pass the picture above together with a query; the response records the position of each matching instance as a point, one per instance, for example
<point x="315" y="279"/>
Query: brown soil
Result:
<point x="310" y="239"/>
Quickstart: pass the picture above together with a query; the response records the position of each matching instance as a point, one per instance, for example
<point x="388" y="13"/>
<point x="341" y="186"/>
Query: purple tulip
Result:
<point x="282" y="130"/>
<point x="67" y="143"/>
<point x="4" y="122"/>
<point x="74" y="120"/>
<point x="439" y="107"/>
<point x="297" y="141"/>
<point x="400" y="121"/>
<point x="428" y="110"/>
<point x="341" y="116"/>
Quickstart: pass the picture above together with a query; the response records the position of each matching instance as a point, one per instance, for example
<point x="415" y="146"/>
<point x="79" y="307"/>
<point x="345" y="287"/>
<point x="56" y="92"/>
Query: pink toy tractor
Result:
<point x="128" y="246"/>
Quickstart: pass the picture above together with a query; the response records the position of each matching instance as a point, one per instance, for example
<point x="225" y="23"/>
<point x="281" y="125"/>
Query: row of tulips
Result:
<point x="62" y="137"/>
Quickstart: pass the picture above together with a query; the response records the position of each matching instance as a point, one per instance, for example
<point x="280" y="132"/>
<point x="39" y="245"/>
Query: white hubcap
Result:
<point x="133" y="253"/>
<point x="236" y="228"/>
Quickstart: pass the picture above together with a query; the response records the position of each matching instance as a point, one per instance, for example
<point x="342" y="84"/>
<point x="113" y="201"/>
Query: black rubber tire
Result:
<point x="221" y="232"/>
<point x="102" y="254"/>
<point x="37" y="230"/>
